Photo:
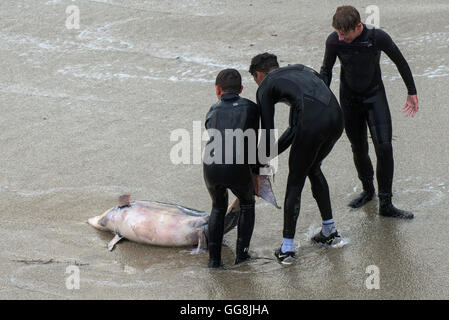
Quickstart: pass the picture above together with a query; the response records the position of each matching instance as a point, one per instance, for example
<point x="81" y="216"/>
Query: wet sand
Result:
<point x="86" y="115"/>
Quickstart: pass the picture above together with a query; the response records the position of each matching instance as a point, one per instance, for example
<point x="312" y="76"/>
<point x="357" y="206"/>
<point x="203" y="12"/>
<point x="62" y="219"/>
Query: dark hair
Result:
<point x="346" y="18"/>
<point x="263" y="62"/>
<point x="229" y="80"/>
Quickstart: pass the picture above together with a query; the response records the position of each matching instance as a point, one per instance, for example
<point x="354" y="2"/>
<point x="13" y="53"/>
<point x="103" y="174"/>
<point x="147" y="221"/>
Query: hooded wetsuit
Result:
<point x="315" y="124"/>
<point x="363" y="99"/>
<point x="231" y="168"/>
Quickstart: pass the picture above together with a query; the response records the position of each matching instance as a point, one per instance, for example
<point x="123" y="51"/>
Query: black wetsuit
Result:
<point x="231" y="112"/>
<point x="363" y="100"/>
<point x="315" y="124"/>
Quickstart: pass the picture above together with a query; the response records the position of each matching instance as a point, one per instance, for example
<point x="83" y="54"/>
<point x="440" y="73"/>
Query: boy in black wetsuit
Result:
<point x="315" y="124"/>
<point x="363" y="100"/>
<point x="232" y="121"/>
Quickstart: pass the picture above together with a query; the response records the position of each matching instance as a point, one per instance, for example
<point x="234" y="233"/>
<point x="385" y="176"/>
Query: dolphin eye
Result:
<point x="103" y="221"/>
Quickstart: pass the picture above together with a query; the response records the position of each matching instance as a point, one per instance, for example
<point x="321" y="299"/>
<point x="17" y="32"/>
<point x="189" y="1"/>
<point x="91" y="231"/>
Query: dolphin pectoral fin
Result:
<point x="113" y="242"/>
<point x="202" y="243"/>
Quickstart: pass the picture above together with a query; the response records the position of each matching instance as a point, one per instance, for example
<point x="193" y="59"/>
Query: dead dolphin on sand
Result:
<point x="165" y="224"/>
<point x="159" y="223"/>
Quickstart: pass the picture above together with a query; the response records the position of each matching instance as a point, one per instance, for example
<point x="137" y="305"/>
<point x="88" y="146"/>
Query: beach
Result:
<point x="87" y="114"/>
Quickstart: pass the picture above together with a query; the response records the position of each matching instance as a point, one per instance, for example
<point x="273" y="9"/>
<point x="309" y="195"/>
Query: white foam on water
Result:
<point x="205" y="61"/>
<point x="340" y="243"/>
<point x="129" y="270"/>
<point x="90" y="72"/>
<point x="436" y="196"/>
<point x="94" y="39"/>
<point x="337" y="243"/>
<point x="427" y="194"/>
<point x="103" y="39"/>
<point x="429" y="72"/>
<point x="176" y="79"/>
<point x="100" y="38"/>
<point x="311" y="231"/>
<point x="424" y="39"/>
<point x="127" y="284"/>
<point x="203" y="8"/>
<point x="124" y="76"/>
<point x="86" y="189"/>
<point x="435" y="72"/>
<point x="32" y="91"/>
<point x="56" y="45"/>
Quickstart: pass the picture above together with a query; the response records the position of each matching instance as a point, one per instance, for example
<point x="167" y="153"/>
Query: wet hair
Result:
<point x="263" y="62"/>
<point x="229" y="80"/>
<point x="346" y="18"/>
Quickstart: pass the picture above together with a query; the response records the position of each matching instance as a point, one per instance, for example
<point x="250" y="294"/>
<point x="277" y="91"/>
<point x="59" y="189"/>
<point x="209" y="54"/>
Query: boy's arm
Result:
<point x="266" y="109"/>
<point x="287" y="137"/>
<point x="386" y="44"/>
<point x="255" y="168"/>
<point x="330" y="55"/>
<point x="255" y="126"/>
<point x="208" y="117"/>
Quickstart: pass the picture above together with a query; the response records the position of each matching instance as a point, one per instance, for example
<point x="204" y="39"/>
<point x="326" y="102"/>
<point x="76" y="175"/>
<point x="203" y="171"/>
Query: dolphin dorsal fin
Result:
<point x="123" y="200"/>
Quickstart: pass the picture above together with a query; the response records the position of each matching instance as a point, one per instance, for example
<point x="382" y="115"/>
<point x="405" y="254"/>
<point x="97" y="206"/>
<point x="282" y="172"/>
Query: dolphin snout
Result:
<point x="94" y="223"/>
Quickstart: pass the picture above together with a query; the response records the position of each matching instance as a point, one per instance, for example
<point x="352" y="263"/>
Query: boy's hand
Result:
<point x="256" y="180"/>
<point x="411" y="105"/>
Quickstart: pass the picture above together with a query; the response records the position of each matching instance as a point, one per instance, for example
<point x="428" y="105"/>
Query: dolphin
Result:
<point x="159" y="223"/>
<point x="165" y="224"/>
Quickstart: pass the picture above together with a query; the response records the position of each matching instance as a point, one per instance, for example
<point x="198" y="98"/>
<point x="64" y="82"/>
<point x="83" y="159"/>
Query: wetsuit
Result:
<point x="315" y="124"/>
<point x="231" y="112"/>
<point x="363" y="100"/>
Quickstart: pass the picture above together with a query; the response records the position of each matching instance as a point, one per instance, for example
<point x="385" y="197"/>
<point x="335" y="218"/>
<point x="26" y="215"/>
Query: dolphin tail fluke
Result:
<point x="230" y="222"/>
<point x="266" y="191"/>
<point x="232" y="216"/>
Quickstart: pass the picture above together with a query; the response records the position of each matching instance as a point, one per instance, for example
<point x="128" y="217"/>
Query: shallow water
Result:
<point x="87" y="116"/>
